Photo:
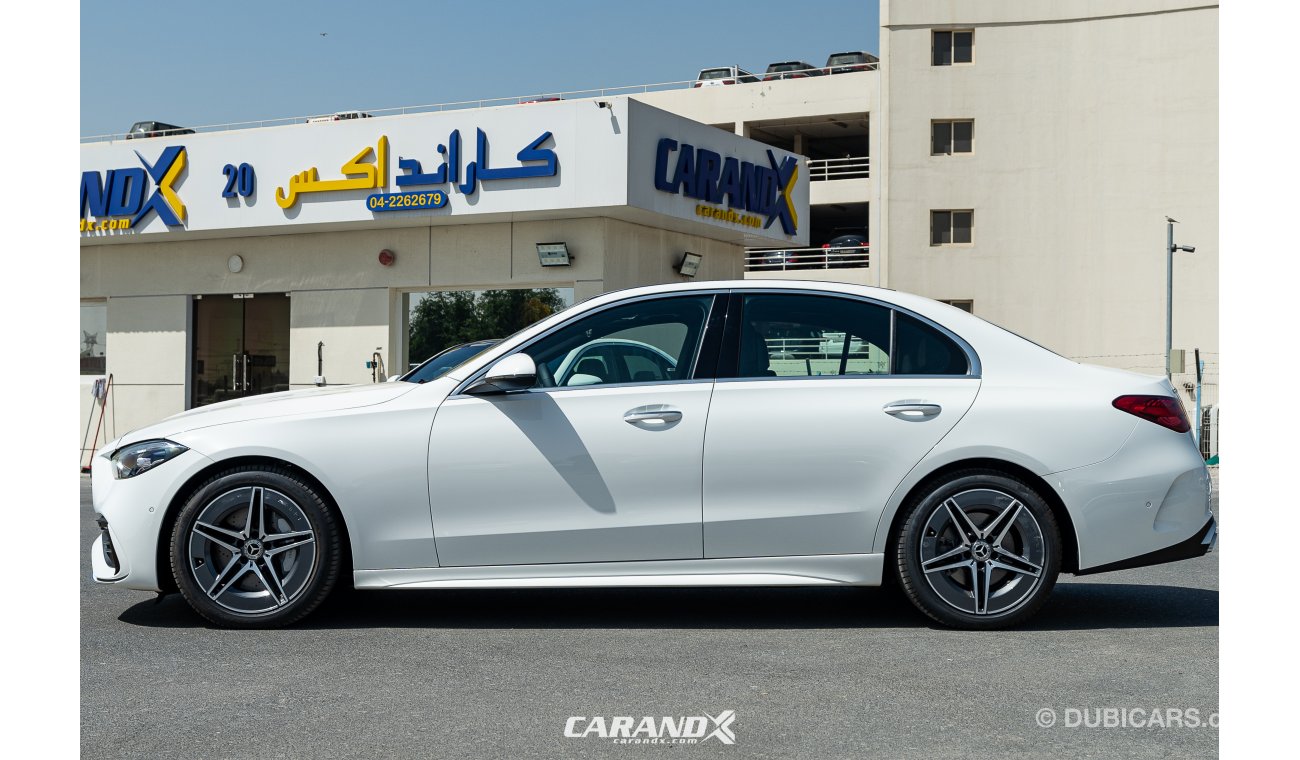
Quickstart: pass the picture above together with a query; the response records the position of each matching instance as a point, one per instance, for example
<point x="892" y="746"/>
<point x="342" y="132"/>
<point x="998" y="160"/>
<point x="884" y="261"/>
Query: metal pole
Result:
<point x="1200" y="369"/>
<point x="1169" y="296"/>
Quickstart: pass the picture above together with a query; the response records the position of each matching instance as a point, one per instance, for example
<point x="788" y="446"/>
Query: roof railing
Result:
<point x="514" y="100"/>
<point x="785" y="259"/>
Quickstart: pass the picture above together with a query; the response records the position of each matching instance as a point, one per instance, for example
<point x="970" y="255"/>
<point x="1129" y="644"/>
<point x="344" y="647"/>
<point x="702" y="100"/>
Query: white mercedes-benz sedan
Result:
<point x="755" y="433"/>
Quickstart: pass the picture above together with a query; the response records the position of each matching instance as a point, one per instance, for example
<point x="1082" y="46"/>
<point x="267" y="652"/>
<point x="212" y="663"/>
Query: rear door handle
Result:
<point x="913" y="410"/>
<point x="655" y="413"/>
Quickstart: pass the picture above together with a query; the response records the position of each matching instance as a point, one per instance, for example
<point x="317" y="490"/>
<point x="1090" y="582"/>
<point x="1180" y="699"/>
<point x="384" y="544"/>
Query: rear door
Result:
<point x="822" y="405"/>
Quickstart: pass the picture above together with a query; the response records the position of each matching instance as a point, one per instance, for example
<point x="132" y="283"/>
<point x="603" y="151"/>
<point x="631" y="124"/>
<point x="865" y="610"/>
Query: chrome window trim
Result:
<point x="973" y="367"/>
<point x="459" y="391"/>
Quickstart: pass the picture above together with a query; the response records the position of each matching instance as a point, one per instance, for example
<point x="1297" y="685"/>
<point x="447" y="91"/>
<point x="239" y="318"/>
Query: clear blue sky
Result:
<point x="196" y="63"/>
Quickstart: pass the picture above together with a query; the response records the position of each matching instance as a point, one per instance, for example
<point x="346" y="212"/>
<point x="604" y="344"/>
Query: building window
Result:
<point x="952" y="46"/>
<point x="94" y="335"/>
<point x="949" y="136"/>
<point x="965" y="305"/>
<point x="952" y="227"/>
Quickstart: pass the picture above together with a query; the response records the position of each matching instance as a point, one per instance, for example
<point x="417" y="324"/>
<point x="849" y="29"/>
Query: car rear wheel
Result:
<point x="255" y="547"/>
<point x="978" y="549"/>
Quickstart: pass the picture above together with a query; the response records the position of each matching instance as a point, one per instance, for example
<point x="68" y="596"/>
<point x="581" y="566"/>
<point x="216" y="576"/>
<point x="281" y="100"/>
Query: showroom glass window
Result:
<point x="94" y="337"/>
<point x="646" y="341"/>
<point x="808" y="335"/>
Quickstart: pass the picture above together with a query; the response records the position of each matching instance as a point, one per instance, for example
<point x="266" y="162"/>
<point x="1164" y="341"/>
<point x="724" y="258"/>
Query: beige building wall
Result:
<point x="1094" y="119"/>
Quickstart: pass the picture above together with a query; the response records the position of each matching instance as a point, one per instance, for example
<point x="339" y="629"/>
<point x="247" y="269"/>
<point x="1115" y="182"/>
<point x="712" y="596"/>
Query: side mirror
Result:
<point x="516" y="372"/>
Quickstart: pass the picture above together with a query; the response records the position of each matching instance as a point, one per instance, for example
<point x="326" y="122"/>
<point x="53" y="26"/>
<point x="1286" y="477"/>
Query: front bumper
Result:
<point x="131" y="512"/>
<point x="1197" y="546"/>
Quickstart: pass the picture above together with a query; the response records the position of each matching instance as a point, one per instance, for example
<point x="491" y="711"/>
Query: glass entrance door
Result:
<point x="241" y="346"/>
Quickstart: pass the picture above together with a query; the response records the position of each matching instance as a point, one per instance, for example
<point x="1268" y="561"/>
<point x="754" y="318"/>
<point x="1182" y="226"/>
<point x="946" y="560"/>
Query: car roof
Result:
<point x="790" y="63"/>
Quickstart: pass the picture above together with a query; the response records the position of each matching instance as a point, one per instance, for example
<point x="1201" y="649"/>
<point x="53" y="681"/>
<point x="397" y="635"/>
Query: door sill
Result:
<point x="820" y="570"/>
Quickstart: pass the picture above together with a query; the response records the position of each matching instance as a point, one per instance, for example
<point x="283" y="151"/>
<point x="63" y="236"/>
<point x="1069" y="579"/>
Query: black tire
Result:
<point x="1007" y="555"/>
<point x="239" y="573"/>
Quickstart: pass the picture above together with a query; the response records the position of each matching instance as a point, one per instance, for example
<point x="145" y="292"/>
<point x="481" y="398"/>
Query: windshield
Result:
<point x="443" y="362"/>
<point x="716" y="74"/>
<point x="788" y="67"/>
<point x="846" y="58"/>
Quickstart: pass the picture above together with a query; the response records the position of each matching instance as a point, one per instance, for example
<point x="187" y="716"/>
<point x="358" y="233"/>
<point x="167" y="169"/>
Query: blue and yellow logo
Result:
<point x="117" y="198"/>
<point x="705" y="175"/>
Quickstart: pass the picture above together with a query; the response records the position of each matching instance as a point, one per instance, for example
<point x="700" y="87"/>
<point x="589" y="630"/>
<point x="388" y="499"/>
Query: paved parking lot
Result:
<point x="823" y="673"/>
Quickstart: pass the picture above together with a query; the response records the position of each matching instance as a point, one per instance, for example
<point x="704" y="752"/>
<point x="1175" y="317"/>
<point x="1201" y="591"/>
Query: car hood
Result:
<point x="306" y="401"/>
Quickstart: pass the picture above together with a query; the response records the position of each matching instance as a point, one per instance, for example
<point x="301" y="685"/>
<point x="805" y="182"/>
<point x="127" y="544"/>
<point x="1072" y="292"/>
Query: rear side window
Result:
<point x="920" y="349"/>
<point x="808" y="335"/>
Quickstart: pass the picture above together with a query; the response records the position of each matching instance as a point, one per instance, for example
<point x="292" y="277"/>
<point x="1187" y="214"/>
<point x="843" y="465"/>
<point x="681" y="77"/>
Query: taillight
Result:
<point x="1162" y="410"/>
<point x="826" y="245"/>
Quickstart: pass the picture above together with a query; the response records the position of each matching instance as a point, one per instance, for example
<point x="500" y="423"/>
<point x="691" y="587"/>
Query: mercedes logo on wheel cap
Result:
<point x="253" y="548"/>
<point x="980" y="550"/>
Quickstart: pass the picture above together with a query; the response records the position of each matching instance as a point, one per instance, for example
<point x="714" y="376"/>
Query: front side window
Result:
<point x="952" y="227"/>
<point x="948" y="47"/>
<point x="810" y="335"/>
<point x="654" y="340"/>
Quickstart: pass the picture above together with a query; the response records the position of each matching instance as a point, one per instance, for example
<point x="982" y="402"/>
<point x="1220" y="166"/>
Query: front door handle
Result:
<point x="657" y="413"/>
<point x="913" y="410"/>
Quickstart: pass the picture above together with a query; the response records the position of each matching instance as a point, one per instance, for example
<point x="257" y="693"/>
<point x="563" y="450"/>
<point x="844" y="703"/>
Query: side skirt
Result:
<point x="822" y="570"/>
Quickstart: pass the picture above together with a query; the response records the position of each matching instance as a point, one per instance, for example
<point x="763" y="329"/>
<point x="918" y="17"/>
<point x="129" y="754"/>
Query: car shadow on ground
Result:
<point x="1073" y="606"/>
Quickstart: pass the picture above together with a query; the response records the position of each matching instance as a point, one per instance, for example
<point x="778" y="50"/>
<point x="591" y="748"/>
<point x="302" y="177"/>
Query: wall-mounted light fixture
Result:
<point x="235" y="264"/>
<point x="690" y="265"/>
<point x="387" y="257"/>
<point x="553" y="254"/>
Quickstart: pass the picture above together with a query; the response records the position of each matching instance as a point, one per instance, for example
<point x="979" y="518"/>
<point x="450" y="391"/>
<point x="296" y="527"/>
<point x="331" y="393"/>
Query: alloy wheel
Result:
<point x="982" y="552"/>
<point x="252" y="550"/>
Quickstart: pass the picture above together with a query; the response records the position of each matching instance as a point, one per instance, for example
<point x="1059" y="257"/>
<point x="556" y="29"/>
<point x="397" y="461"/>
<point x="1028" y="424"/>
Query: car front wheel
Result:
<point x="255" y="547"/>
<point x="978" y="549"/>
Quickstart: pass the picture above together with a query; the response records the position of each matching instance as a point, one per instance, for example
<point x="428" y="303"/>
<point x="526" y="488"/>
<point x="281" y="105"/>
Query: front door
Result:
<point x="599" y="462"/>
<point x="241" y="346"/>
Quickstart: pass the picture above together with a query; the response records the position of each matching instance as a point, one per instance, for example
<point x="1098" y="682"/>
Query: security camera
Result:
<point x="1187" y="248"/>
<point x="604" y="104"/>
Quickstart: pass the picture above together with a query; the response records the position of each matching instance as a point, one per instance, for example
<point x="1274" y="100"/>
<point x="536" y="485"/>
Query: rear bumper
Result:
<point x="1197" y="546"/>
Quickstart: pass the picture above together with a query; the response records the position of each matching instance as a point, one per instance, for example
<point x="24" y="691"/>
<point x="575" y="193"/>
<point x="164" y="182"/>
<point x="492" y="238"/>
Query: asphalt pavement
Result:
<point x="826" y="673"/>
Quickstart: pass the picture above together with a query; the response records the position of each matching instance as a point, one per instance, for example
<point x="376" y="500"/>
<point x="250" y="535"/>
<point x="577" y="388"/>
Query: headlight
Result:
<point x="132" y="460"/>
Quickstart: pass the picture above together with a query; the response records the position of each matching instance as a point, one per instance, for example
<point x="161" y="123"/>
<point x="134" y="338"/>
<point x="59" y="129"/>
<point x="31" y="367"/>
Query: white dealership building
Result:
<point x="1017" y="160"/>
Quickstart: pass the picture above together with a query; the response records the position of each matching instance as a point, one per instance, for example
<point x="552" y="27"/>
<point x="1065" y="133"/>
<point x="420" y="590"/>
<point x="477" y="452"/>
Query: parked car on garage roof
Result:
<point x="792" y="70"/>
<point x="142" y="129"/>
<point x="339" y="116"/>
<point x="724" y="75"/>
<point x="854" y="60"/>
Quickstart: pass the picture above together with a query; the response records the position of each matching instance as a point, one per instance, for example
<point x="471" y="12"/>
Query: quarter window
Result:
<point x="949" y="136"/>
<point x="654" y="340"/>
<point x="951" y="46"/>
<point x="920" y="349"/>
<point x="952" y="227"/>
<point x="806" y="335"/>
